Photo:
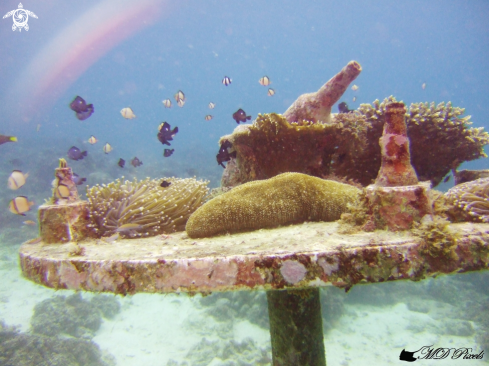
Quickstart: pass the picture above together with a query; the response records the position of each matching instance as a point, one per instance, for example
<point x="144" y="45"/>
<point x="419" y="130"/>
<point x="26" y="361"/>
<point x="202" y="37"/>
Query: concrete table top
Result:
<point x="298" y="256"/>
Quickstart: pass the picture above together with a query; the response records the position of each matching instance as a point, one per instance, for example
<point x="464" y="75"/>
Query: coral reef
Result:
<point x="152" y="209"/>
<point x="440" y="138"/>
<point x="470" y="201"/>
<point x="465" y="175"/>
<point x="316" y="107"/>
<point x="284" y="199"/>
<point x="72" y="315"/>
<point x="272" y="145"/>
<point x="347" y="144"/>
<point x="24" y="349"/>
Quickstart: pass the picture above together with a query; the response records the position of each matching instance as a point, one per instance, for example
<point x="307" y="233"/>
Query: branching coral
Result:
<point x="272" y="145"/>
<point x="151" y="209"/>
<point x="470" y="200"/>
<point x="348" y="145"/>
<point x="440" y="138"/>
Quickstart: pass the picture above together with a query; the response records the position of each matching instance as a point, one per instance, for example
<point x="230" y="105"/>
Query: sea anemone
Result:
<point x="472" y="198"/>
<point x="149" y="207"/>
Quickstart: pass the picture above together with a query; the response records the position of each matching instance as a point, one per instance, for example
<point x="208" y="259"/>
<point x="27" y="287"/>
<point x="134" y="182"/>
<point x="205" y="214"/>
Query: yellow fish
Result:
<point x="271" y="92"/>
<point x="167" y="103"/>
<point x="62" y="191"/>
<point x="19" y="205"/>
<point x="92" y="140"/>
<point x="29" y="222"/>
<point x="16" y="179"/>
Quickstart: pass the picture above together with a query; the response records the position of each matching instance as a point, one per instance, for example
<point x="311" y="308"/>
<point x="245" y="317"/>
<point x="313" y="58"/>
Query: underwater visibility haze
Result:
<point x="144" y="90"/>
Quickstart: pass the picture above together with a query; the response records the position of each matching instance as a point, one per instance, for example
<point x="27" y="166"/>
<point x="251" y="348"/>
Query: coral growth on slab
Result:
<point x="284" y="199"/>
<point x="470" y="201"/>
<point x="316" y="107"/>
<point x="148" y="207"/>
<point x="348" y="145"/>
<point x="272" y="145"/>
<point x="440" y="138"/>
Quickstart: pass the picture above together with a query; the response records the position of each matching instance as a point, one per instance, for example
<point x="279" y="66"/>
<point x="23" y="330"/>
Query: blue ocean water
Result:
<point x="191" y="46"/>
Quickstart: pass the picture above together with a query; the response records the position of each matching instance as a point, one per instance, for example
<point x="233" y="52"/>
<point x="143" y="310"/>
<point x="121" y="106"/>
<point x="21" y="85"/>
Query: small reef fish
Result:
<point x="180" y="103"/>
<point x="354" y="99"/>
<point x="343" y="108"/>
<point x="121" y="163"/>
<point x="127" y="113"/>
<point x="75" y="153"/>
<point x="167" y="103"/>
<point x="16" y="179"/>
<point x="92" y="140"/>
<point x="127" y="228"/>
<point x="423" y="86"/>
<point x="447" y="179"/>
<point x="81" y="108"/>
<point x="271" y="92"/>
<point x="107" y="148"/>
<point x="38" y="127"/>
<point x="29" y="222"/>
<point x="265" y="81"/>
<point x="179" y="95"/>
<point x="208" y="117"/>
<point x="19" y="205"/>
<point x="224" y="153"/>
<point x="240" y="116"/>
<point x="62" y="191"/>
<point x="211" y="105"/>
<point x="112" y="238"/>
<point x="4" y="139"/>
<point x="165" y="184"/>
<point x="168" y="152"/>
<point x="33" y="241"/>
<point x="355" y="87"/>
<point x="78" y="180"/>
<point x="136" y="162"/>
<point x="165" y="133"/>
<point x="226" y="81"/>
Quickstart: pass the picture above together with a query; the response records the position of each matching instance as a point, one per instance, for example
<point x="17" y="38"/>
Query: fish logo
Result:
<point x="20" y="17"/>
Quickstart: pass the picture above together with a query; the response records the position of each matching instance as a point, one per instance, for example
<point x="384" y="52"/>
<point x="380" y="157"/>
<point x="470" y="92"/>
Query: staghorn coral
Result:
<point x="470" y="201"/>
<point x="284" y="199"/>
<point x="145" y="203"/>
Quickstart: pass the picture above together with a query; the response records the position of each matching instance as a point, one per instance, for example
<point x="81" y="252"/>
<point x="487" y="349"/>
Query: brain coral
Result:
<point x="145" y="203"/>
<point x="284" y="199"/>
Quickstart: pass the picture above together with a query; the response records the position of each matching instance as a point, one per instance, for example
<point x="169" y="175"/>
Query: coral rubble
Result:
<point x="152" y="209"/>
<point x="285" y="199"/>
<point x="72" y="316"/>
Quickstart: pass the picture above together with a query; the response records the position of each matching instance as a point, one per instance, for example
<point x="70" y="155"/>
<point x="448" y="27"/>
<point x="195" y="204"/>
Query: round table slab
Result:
<point x="292" y="257"/>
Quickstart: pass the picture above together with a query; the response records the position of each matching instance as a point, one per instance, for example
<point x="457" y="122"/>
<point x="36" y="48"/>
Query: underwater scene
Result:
<point x="224" y="183"/>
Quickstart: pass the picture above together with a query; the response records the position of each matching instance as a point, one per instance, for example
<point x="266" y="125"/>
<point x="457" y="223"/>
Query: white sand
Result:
<point x="151" y="329"/>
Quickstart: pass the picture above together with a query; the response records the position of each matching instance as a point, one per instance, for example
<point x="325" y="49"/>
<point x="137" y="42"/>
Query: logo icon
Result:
<point x="20" y="17"/>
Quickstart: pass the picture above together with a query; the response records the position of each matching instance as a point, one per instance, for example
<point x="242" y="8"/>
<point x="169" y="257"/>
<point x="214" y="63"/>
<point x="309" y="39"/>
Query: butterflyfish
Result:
<point x="16" y="179"/>
<point x="19" y="205"/>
